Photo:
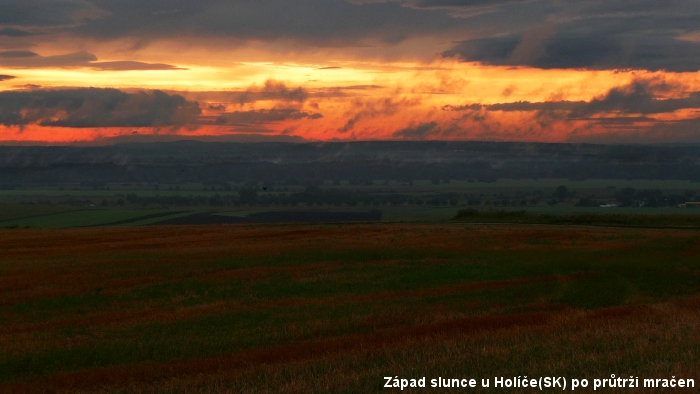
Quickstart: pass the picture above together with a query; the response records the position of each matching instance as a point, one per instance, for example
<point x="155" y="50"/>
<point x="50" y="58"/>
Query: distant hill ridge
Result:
<point x="196" y="161"/>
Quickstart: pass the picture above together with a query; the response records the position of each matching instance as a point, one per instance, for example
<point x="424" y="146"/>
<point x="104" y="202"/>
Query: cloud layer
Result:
<point x="264" y="116"/>
<point x="640" y="97"/>
<point x="644" y="34"/>
<point x="29" y="59"/>
<point x="101" y="108"/>
<point x="93" y="107"/>
<point x="354" y="69"/>
<point x="648" y="34"/>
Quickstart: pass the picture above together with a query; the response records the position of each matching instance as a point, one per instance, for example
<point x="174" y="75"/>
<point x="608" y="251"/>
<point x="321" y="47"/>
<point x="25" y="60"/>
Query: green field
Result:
<point x="593" y="217"/>
<point x="90" y="218"/>
<point x="67" y="217"/>
<point x="417" y="201"/>
<point x="335" y="308"/>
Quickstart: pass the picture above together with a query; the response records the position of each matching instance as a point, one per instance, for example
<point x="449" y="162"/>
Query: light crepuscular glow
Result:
<point x="503" y="70"/>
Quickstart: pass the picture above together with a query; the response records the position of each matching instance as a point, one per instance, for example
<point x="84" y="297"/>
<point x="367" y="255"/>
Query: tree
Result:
<point x="562" y="193"/>
<point x="248" y="195"/>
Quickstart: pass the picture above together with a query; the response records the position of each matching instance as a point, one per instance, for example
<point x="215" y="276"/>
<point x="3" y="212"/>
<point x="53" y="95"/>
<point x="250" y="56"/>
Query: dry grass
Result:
<point x="644" y="342"/>
<point x="341" y="306"/>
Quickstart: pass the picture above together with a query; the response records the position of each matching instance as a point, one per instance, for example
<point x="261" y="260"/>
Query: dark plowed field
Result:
<point x="278" y="217"/>
<point x="310" y="308"/>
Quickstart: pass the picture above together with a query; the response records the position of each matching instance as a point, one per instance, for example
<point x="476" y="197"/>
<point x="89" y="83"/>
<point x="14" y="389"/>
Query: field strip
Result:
<point x="123" y="374"/>
<point x="61" y="242"/>
<point x="157" y="315"/>
<point x="584" y="226"/>
<point x="464" y="287"/>
<point x="73" y="286"/>
<point x="261" y="272"/>
<point x="136" y="219"/>
<point x="40" y="215"/>
<point x="152" y="372"/>
<point x="48" y="242"/>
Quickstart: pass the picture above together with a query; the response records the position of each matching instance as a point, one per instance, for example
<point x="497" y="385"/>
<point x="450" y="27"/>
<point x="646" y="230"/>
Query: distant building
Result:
<point x="609" y="206"/>
<point x="692" y="204"/>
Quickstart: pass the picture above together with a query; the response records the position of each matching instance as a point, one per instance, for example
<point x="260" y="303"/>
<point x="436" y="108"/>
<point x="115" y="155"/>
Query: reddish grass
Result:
<point x="43" y="263"/>
<point x="536" y="323"/>
<point x="236" y="239"/>
<point x="132" y="317"/>
<point x="125" y="374"/>
<point x="296" y="271"/>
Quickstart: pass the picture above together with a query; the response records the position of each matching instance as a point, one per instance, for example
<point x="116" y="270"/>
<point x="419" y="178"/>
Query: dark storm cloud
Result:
<point x="591" y="51"/>
<point x="595" y="34"/>
<point x="624" y="121"/>
<point x="418" y="132"/>
<point x="46" y="13"/>
<point x="131" y="66"/>
<point x="639" y="97"/>
<point x="272" y="90"/>
<point x="386" y="106"/>
<point x="622" y="106"/>
<point x="16" y="54"/>
<point x="460" y="3"/>
<point x="6" y="77"/>
<point x="264" y="116"/>
<point x="93" y="107"/>
<point x="647" y="34"/>
<point x="479" y="128"/>
<point x="10" y="32"/>
<point x="28" y="59"/>
<point x="315" y="22"/>
<point x="519" y="106"/>
<point x="526" y="106"/>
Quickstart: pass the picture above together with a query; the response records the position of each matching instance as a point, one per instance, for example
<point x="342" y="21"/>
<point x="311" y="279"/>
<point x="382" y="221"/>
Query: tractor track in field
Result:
<point x="150" y="315"/>
<point x="111" y="377"/>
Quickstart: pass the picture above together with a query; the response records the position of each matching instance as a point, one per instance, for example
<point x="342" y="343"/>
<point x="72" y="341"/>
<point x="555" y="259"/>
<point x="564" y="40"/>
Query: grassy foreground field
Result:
<point x="335" y="308"/>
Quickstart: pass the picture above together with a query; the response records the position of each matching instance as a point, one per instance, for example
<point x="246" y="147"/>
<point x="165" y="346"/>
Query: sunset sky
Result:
<point x="504" y="70"/>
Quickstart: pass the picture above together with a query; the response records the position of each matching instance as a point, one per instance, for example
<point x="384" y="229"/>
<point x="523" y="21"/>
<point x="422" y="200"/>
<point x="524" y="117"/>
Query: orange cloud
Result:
<point x="390" y="100"/>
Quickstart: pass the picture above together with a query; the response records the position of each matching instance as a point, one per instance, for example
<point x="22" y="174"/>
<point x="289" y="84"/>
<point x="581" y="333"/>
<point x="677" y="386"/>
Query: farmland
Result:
<point x="335" y="201"/>
<point x="335" y="307"/>
<point x="128" y="184"/>
<point x="315" y="268"/>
